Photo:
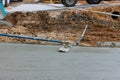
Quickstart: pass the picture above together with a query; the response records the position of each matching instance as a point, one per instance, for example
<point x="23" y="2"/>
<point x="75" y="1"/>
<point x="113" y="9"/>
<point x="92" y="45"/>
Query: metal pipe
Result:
<point x="31" y="38"/>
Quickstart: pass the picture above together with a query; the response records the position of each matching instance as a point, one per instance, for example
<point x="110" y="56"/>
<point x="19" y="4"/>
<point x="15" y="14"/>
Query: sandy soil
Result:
<point x="67" y="26"/>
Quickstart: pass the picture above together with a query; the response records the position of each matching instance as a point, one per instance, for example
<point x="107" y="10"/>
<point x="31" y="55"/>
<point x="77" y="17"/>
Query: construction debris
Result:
<point x="108" y="44"/>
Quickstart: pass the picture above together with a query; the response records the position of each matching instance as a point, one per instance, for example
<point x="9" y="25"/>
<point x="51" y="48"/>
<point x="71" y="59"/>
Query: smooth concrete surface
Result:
<point x="44" y="62"/>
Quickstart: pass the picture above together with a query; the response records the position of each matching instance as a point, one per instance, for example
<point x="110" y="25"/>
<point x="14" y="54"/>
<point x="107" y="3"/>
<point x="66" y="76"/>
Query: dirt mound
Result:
<point x="110" y="9"/>
<point x="67" y="25"/>
<point x="106" y="9"/>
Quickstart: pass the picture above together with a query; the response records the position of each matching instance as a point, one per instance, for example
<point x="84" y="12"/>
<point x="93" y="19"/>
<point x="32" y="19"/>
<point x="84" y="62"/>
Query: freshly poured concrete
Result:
<point x="43" y="62"/>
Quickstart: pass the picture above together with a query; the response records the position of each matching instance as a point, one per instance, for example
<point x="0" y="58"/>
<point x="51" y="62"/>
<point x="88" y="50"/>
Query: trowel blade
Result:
<point x="65" y="49"/>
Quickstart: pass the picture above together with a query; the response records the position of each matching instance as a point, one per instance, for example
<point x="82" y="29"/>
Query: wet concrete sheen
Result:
<point x="44" y="62"/>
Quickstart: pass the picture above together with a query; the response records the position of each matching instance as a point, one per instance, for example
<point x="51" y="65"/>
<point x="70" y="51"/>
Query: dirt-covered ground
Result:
<point x="64" y="25"/>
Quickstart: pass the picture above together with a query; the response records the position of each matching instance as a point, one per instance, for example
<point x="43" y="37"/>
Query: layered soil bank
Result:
<point x="64" y="25"/>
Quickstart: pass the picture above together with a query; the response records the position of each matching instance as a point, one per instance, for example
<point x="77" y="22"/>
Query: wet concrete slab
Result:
<point x="44" y="62"/>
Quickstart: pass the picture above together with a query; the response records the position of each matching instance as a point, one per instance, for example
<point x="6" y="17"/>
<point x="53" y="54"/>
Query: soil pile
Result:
<point x="66" y="25"/>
